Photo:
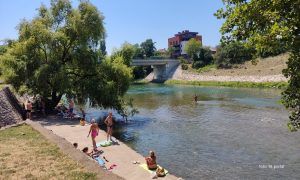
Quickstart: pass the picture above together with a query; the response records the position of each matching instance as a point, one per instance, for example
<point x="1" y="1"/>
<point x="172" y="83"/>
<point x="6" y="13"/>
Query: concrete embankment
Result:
<point x="120" y="155"/>
<point x="10" y="110"/>
<point x="188" y="76"/>
<point x="65" y="132"/>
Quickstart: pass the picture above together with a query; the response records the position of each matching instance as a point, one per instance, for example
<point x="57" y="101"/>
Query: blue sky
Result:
<point x="131" y="20"/>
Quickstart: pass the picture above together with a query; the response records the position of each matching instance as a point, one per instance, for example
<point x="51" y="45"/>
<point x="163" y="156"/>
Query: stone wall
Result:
<point x="11" y="111"/>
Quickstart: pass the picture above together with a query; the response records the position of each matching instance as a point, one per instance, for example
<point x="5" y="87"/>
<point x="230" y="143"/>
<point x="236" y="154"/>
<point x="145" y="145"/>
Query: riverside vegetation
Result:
<point x="279" y="85"/>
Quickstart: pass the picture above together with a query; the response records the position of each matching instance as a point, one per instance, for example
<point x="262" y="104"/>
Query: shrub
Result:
<point x="184" y="66"/>
<point x="233" y="53"/>
<point x="198" y="64"/>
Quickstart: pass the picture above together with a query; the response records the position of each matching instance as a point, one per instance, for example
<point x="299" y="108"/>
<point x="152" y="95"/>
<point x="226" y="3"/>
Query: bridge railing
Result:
<point x="154" y="58"/>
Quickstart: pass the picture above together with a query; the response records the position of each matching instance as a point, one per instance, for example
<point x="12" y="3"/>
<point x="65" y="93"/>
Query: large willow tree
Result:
<point x="267" y="24"/>
<point x="60" y="51"/>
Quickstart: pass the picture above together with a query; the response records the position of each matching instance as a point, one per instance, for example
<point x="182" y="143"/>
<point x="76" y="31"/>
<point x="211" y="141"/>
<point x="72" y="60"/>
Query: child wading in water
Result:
<point x="94" y="130"/>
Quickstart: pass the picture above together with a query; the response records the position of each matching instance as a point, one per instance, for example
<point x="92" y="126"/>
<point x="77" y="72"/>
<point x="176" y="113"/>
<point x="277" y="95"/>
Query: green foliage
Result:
<point x="148" y="47"/>
<point x="276" y="85"/>
<point x="200" y="56"/>
<point x="267" y="25"/>
<point x="127" y="109"/>
<point x="291" y="127"/>
<point x="126" y="52"/>
<point x="198" y="64"/>
<point x="171" y="50"/>
<point x="207" y="68"/>
<point x="192" y="48"/>
<point x="184" y="66"/>
<point x="3" y="49"/>
<point x="140" y="72"/>
<point x="233" y="53"/>
<point x="61" y="51"/>
<point x="139" y="52"/>
<point x="204" y="56"/>
<point x="182" y="60"/>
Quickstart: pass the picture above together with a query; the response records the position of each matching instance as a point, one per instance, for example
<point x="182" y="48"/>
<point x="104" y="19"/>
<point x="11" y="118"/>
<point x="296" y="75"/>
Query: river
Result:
<point x="231" y="133"/>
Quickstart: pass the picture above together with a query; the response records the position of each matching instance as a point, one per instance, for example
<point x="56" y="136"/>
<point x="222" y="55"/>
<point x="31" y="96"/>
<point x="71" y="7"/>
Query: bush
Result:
<point x="184" y="66"/>
<point x="198" y="64"/>
<point x="140" y="72"/>
<point x="207" y="68"/>
<point x="233" y="53"/>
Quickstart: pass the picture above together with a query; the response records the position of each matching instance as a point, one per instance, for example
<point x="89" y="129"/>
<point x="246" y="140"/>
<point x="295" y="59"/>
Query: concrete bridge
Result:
<point x="163" y="69"/>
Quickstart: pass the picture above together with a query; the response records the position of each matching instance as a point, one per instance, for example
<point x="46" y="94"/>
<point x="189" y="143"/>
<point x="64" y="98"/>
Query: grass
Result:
<point x="26" y="154"/>
<point x="207" y="68"/>
<point x="278" y="85"/>
<point x="140" y="81"/>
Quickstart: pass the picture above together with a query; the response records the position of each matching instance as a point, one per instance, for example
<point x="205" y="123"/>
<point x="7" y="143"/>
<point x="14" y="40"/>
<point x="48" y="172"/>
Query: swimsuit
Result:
<point x="94" y="133"/>
<point x="109" y="126"/>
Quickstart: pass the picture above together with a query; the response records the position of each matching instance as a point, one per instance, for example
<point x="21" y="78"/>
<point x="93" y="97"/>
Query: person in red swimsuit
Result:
<point x="151" y="161"/>
<point x="94" y="130"/>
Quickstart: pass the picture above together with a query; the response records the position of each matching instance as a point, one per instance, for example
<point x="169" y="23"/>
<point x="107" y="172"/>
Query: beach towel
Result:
<point x="100" y="161"/>
<point x="104" y="143"/>
<point x="144" y="166"/>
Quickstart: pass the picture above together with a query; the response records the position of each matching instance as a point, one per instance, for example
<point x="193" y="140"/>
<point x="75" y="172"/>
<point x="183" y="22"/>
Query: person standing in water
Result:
<point x="71" y="108"/>
<point x="94" y="131"/>
<point x="109" y="123"/>
<point x="195" y="98"/>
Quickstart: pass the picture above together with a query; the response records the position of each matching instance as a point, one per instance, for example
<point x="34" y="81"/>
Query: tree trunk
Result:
<point x="53" y="102"/>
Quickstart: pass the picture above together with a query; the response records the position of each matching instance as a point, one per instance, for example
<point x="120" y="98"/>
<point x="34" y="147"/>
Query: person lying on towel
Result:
<point x="151" y="161"/>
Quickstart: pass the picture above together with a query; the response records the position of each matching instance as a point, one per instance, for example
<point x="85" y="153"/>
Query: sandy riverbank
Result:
<point x="120" y="155"/>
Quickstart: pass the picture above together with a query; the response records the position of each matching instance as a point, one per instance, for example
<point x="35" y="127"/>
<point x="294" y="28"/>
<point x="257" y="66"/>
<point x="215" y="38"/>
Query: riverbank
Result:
<point x="26" y="154"/>
<point x="120" y="155"/>
<point x="267" y="73"/>
<point x="242" y="84"/>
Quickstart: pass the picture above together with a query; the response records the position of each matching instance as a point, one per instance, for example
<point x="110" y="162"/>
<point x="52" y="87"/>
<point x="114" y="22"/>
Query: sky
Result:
<point x="133" y="21"/>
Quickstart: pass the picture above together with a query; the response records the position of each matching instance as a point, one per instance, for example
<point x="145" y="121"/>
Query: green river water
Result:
<point x="231" y="133"/>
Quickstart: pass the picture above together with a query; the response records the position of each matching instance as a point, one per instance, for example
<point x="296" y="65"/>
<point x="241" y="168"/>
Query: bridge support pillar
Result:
<point x="160" y="72"/>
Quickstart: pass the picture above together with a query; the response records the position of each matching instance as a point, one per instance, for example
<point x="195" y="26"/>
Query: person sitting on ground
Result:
<point x="151" y="161"/>
<point x="75" y="145"/>
<point x="92" y="154"/>
<point x="82" y="120"/>
<point x="94" y="131"/>
<point x="86" y="151"/>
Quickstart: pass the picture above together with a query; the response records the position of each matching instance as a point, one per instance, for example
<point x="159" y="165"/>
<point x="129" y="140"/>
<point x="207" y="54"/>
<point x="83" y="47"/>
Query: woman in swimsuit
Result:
<point x="151" y="161"/>
<point x="94" y="130"/>
<point x="109" y="123"/>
